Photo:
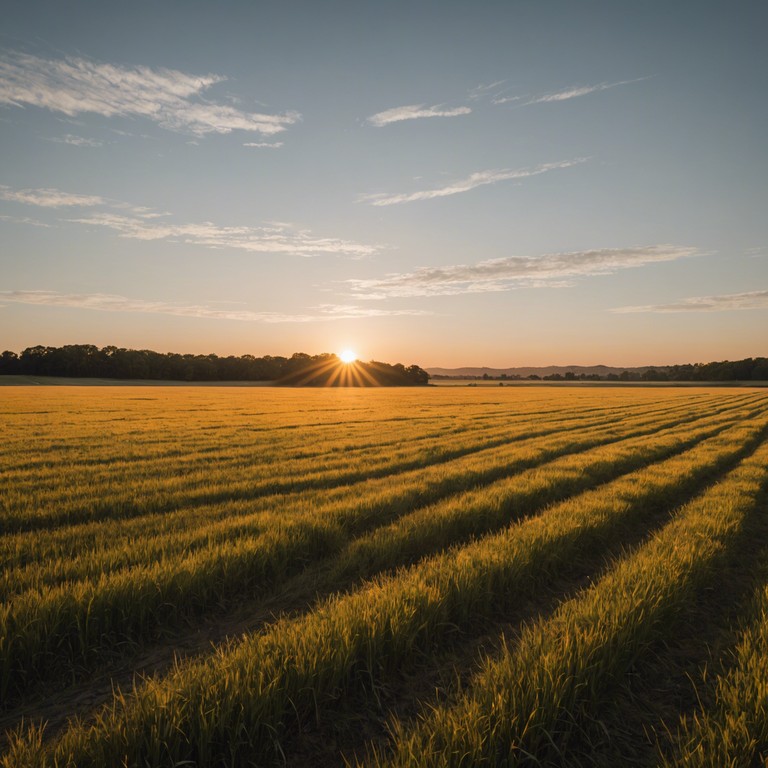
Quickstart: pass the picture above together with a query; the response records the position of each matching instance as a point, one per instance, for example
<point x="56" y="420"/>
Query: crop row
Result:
<point x="64" y="625"/>
<point x="134" y="489"/>
<point x="44" y="558"/>
<point x="237" y="704"/>
<point x="156" y="442"/>
<point x="154" y="431"/>
<point x="196" y="438"/>
<point x="734" y="732"/>
<point x="541" y="692"/>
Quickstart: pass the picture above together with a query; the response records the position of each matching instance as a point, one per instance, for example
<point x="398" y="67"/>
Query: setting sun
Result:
<point x="347" y="356"/>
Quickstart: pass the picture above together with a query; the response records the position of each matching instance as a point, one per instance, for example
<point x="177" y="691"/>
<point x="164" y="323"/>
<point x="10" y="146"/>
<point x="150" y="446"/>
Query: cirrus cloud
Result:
<point x="76" y="141"/>
<point x="141" y="223"/>
<point x="414" y="112"/>
<point x="48" y="197"/>
<point x="724" y="302"/>
<point x="577" y="91"/>
<point x="474" y="180"/>
<point x="172" y="99"/>
<point x="108" y="302"/>
<point x="265" y="239"/>
<point x="551" y="270"/>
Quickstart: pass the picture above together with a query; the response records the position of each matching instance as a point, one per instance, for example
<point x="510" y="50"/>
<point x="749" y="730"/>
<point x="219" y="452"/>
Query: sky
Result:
<point x="529" y="182"/>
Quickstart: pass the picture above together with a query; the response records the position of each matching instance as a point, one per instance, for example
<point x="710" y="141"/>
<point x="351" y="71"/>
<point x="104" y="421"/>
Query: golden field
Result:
<point x="466" y="576"/>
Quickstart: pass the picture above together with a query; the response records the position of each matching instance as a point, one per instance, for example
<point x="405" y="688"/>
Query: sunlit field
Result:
<point x="444" y="576"/>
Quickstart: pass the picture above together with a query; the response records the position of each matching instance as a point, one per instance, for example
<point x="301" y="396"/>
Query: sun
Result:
<point x="347" y="356"/>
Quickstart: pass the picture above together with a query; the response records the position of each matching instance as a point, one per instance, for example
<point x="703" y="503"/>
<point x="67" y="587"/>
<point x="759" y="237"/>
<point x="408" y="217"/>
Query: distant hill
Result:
<point x="587" y="370"/>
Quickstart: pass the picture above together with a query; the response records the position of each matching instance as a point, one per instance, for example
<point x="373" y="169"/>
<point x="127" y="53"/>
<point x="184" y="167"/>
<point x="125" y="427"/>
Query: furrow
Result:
<point x="75" y="501"/>
<point x="734" y="730"/>
<point x="533" y="701"/>
<point x="234" y="706"/>
<point x="72" y="625"/>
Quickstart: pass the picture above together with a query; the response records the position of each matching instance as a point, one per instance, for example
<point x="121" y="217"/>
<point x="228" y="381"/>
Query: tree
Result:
<point x="9" y="363"/>
<point x="417" y="375"/>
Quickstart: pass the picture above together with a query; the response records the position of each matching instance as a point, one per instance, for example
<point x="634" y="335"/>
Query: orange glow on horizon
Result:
<point x="334" y="372"/>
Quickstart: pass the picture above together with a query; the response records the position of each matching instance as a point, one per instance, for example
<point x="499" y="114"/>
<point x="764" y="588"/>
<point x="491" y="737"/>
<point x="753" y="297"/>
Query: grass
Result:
<point x="421" y="519"/>
<point x="66" y="610"/>
<point x="538" y="694"/>
<point x="733" y="731"/>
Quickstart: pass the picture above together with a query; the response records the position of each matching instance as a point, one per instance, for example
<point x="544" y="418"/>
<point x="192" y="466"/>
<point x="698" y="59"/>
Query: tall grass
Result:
<point x="734" y="731"/>
<point x="69" y="623"/>
<point x="182" y="528"/>
<point x="235" y="706"/>
<point x="95" y="486"/>
<point x="527" y="704"/>
<point x="127" y="513"/>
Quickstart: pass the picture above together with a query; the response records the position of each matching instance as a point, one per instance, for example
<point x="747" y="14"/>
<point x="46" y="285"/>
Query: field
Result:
<point x="445" y="576"/>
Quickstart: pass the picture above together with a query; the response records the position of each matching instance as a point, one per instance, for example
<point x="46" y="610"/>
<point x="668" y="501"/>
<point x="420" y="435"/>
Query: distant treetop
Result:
<point x="88" y="361"/>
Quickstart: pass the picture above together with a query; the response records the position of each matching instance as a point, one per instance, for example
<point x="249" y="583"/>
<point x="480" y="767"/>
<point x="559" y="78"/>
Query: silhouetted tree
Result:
<point x="9" y="363"/>
<point x="88" y="361"/>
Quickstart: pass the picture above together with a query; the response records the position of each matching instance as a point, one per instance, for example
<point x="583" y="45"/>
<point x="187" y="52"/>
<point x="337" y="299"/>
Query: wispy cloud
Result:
<point x="107" y="302"/>
<point x="142" y="223"/>
<point x="577" y="91"/>
<point x="496" y="92"/>
<point x="483" y="90"/>
<point x="172" y="99"/>
<point x="24" y="220"/>
<point x="724" y="302"/>
<point x="266" y="239"/>
<point x="551" y="270"/>
<point x="351" y="311"/>
<point x="264" y="144"/>
<point x="48" y="197"/>
<point x="473" y="181"/>
<point x="76" y="141"/>
<point x="414" y="112"/>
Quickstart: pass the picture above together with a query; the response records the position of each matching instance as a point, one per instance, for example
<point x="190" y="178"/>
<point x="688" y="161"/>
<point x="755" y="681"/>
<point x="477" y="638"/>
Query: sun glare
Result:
<point x="348" y="356"/>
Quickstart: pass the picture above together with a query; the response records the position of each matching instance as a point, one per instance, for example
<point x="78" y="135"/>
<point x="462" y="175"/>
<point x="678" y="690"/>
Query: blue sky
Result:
<point x="446" y="183"/>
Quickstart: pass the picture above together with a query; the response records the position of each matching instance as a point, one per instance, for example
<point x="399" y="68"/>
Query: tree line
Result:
<point x="749" y="369"/>
<point x="88" y="361"/>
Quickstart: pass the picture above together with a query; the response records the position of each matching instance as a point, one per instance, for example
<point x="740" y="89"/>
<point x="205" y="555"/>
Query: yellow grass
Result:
<point x="127" y="513"/>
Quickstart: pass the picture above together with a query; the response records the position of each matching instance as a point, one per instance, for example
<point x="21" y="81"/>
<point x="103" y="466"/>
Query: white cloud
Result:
<point x="497" y="94"/>
<point x="575" y="92"/>
<point x="414" y="112"/>
<point x="50" y="198"/>
<point x="24" y="220"/>
<point x="473" y="181"/>
<point x="107" y="302"/>
<point x="141" y="223"/>
<point x="264" y="144"/>
<point x="484" y="89"/>
<point x="76" y="141"/>
<point x="351" y="311"/>
<point x="550" y="270"/>
<point x="172" y="99"/>
<point x="725" y="302"/>
<point x="265" y="239"/>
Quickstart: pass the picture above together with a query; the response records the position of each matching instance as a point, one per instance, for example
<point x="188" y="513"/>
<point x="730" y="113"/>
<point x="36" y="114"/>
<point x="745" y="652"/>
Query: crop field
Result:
<point x="442" y="576"/>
